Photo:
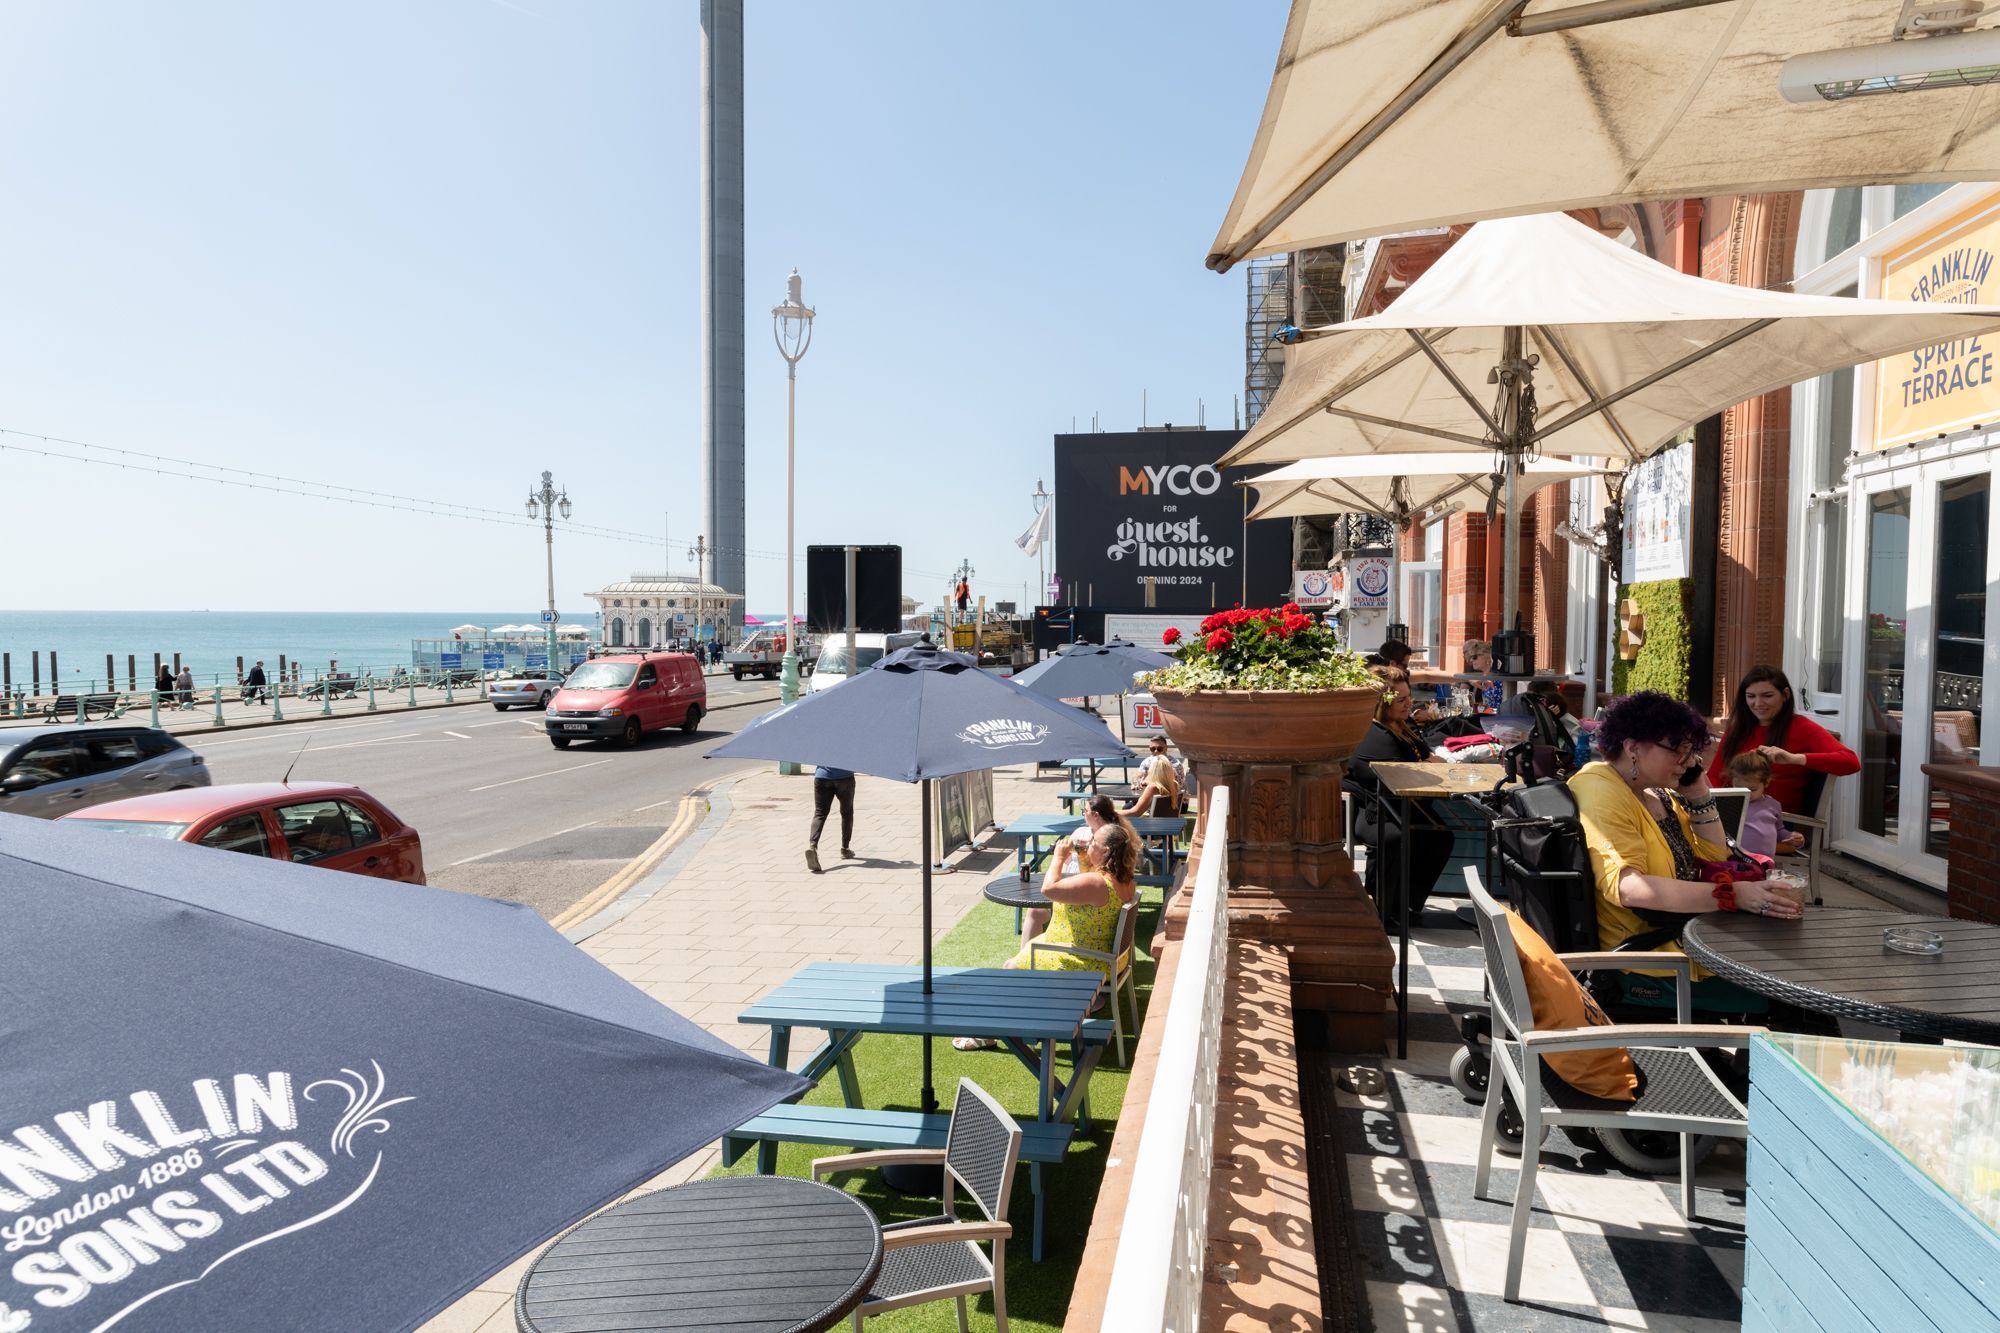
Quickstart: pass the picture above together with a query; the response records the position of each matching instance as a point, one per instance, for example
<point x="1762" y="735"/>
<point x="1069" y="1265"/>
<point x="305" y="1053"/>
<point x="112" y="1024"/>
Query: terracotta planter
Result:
<point x="1282" y="757"/>
<point x="1269" y="726"/>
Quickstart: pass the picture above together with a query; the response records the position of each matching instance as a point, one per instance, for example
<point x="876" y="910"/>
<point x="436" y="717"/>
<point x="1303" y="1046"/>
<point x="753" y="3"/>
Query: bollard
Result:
<point x="156" y="706"/>
<point x="218" y="705"/>
<point x="38" y="672"/>
<point x="132" y="673"/>
<point x="411" y="679"/>
<point x="110" y="674"/>
<point x="326" y="696"/>
<point x="371" y="691"/>
<point x="281" y="667"/>
<point x="482" y="684"/>
<point x="447" y="687"/>
<point x="55" y="677"/>
<point x="277" y="693"/>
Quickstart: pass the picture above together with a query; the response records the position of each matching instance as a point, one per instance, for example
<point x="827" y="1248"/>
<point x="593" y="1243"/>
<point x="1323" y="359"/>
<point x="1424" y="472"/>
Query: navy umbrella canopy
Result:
<point x="241" y="1094"/>
<point x="922" y="713"/>
<point x="1081" y="670"/>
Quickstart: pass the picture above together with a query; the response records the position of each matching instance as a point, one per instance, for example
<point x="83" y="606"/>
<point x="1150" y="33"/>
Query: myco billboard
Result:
<point x="1152" y="505"/>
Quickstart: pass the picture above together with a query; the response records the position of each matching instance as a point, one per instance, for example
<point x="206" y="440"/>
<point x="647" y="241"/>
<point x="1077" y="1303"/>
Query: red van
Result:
<point x="626" y="695"/>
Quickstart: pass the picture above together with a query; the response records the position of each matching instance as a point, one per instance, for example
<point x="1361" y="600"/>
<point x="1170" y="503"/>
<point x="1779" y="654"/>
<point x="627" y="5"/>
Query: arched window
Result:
<point x="645" y="633"/>
<point x="618" y="633"/>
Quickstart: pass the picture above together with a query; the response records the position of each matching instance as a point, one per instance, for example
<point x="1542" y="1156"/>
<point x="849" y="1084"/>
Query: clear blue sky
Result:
<point x="431" y="247"/>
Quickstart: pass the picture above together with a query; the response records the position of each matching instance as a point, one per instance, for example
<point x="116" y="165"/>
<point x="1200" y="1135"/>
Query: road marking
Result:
<point x="532" y="776"/>
<point x="461" y="735"/>
<point x="474" y="726"/>
<point x="372" y="740"/>
<point x="656" y="805"/>
<point x="502" y="851"/>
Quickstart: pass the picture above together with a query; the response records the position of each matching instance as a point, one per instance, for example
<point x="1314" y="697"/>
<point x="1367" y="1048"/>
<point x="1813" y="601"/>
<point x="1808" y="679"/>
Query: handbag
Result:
<point x="1741" y="868"/>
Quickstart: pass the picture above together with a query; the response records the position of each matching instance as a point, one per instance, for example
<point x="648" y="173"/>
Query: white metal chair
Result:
<point x="933" y="1258"/>
<point x="1678" y="1092"/>
<point x="1117" y="967"/>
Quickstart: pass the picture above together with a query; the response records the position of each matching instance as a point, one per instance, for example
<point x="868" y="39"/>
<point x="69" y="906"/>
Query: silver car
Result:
<point x="530" y="689"/>
<point x="50" y="771"/>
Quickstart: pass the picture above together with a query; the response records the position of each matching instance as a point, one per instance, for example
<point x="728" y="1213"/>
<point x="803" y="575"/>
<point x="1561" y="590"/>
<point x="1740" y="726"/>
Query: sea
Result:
<point x="211" y="641"/>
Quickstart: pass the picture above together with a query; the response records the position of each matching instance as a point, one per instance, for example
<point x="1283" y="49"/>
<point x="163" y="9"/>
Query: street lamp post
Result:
<point x="1041" y="499"/>
<point x="545" y="504"/>
<point x="791" y="328"/>
<point x="699" y="554"/>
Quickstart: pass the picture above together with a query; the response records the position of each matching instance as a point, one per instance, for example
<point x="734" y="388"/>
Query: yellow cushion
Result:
<point x="1560" y="1001"/>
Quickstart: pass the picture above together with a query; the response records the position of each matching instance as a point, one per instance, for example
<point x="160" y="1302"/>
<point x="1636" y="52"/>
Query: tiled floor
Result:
<point x="1605" y="1249"/>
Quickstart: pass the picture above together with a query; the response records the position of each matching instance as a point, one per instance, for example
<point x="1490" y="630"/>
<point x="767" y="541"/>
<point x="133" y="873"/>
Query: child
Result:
<point x="1764" y="831"/>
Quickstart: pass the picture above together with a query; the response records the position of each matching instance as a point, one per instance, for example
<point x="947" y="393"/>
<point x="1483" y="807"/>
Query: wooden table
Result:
<point x="1833" y="962"/>
<point x="1401" y="785"/>
<point x="756" y="1254"/>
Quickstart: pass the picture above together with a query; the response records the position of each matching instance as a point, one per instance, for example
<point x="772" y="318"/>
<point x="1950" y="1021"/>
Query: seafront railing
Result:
<point x="90" y="699"/>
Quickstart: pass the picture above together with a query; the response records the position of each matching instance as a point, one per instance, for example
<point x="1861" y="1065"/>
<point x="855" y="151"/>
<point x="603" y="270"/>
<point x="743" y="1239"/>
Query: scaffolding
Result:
<point x="1304" y="288"/>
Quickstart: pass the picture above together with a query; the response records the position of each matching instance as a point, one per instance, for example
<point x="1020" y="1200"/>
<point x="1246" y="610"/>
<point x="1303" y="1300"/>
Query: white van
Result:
<point x="868" y="650"/>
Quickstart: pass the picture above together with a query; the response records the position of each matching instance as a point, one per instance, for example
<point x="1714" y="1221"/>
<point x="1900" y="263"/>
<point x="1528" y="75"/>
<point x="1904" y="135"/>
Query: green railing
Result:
<point x="85" y="699"/>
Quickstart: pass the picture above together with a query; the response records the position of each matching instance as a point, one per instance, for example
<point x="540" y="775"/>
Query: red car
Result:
<point x="327" y="824"/>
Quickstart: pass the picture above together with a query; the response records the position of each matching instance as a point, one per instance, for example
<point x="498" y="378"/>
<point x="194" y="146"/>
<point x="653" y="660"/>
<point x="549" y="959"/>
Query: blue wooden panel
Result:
<point x="1773" y="1307"/>
<point x="1844" y="1224"/>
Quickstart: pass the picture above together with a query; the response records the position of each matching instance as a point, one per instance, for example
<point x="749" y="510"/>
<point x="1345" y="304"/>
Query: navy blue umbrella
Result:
<point x="1085" y="670"/>
<point x="922" y="713"/>
<point x="241" y="1094"/>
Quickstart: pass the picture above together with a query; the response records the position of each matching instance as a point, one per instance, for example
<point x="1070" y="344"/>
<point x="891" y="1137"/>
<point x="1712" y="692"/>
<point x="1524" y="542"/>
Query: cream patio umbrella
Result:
<point x="1398" y="486"/>
<point x="1385" y="116"/>
<point x="1537" y="335"/>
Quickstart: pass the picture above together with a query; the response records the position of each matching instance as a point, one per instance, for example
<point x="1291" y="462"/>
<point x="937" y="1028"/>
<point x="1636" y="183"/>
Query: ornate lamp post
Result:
<point x="791" y="328"/>
<point x="545" y="504"/>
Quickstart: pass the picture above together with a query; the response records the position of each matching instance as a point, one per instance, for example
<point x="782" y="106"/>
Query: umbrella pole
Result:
<point x="930" y="1103"/>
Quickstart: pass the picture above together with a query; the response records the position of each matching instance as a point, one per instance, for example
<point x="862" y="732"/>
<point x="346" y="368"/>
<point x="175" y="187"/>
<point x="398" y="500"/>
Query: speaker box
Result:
<point x="878" y="589"/>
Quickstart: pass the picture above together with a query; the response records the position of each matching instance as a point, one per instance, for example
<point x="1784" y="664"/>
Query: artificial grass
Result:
<point x="890" y="1071"/>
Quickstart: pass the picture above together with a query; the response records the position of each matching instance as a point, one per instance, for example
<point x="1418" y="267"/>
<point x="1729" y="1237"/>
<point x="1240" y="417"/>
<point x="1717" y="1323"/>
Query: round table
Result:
<point x="759" y="1253"/>
<point x="1834" y="962"/>
<point x="1010" y="890"/>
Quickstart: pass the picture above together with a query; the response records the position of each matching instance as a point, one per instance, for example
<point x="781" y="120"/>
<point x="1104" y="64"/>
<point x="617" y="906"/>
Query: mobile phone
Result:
<point x="1691" y="775"/>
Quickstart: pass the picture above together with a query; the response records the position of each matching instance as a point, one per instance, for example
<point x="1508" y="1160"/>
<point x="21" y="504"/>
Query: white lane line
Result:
<point x="656" y="805"/>
<point x="461" y="735"/>
<point x="532" y="776"/>
<point x="474" y="726"/>
<point x="372" y="740"/>
<point x="502" y="851"/>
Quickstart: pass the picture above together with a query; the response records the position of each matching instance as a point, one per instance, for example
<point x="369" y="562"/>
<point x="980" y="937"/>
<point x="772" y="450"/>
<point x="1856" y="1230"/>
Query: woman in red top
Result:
<point x="1763" y="719"/>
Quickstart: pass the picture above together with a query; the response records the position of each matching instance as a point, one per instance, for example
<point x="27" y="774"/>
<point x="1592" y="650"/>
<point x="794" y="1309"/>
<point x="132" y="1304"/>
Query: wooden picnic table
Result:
<point x="1084" y="772"/>
<point x="1035" y="830"/>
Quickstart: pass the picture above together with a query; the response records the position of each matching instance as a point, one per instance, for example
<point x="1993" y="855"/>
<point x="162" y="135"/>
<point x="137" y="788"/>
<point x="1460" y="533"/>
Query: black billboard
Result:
<point x="878" y="589"/>
<point x="1153" y="505"/>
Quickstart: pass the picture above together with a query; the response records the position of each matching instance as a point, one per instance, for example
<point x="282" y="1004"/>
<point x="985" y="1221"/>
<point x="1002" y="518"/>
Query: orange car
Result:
<point x="326" y="824"/>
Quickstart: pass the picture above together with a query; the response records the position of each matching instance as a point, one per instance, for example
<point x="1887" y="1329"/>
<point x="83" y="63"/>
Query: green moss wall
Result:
<point x="1662" y="663"/>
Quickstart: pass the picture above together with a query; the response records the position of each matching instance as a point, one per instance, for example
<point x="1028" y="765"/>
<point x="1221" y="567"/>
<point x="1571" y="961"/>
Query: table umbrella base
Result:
<point x="912" y="1181"/>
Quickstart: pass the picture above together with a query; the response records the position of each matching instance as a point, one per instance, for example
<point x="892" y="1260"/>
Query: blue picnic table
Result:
<point x="1039" y="835"/>
<point x="1028" y="1013"/>
<point x="1084" y="772"/>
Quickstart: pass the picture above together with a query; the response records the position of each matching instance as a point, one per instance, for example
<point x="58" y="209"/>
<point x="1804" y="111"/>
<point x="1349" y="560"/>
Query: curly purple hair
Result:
<point x="1650" y="716"/>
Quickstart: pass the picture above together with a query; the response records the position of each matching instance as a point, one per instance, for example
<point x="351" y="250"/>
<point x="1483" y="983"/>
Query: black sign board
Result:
<point x="878" y="589"/>
<point x="1152" y="505"/>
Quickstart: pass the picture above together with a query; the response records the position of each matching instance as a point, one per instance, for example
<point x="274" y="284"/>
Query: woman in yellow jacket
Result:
<point x="1649" y="819"/>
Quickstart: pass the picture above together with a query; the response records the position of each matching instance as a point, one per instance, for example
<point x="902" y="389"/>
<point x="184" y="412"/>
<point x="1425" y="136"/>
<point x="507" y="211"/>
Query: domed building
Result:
<point x="648" y="610"/>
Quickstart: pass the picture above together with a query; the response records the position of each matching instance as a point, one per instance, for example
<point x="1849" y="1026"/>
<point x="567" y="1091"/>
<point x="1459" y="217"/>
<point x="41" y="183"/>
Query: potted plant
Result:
<point x="1264" y="686"/>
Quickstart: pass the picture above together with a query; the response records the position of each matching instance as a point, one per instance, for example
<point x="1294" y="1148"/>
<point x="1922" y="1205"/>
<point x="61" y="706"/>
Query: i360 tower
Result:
<point x="722" y="294"/>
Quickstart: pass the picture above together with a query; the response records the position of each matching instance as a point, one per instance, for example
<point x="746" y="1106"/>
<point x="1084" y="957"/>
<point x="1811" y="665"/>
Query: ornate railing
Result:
<point x="1156" y="1281"/>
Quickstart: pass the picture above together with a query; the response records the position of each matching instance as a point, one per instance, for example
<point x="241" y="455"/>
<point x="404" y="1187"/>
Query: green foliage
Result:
<point x="1664" y="659"/>
<point x="1270" y="649"/>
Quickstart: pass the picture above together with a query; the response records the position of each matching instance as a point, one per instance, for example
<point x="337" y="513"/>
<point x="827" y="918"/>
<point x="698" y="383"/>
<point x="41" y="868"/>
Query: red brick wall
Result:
<point x="1972" y="874"/>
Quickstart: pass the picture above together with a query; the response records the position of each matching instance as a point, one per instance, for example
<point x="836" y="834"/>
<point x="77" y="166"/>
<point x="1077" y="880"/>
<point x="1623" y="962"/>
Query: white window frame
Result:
<point x="1431" y="567"/>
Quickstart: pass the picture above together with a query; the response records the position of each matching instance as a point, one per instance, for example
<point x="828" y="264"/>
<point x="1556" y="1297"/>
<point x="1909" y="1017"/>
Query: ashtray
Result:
<point x="1912" y="939"/>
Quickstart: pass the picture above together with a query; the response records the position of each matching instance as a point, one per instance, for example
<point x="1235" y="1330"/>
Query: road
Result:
<point x="501" y="811"/>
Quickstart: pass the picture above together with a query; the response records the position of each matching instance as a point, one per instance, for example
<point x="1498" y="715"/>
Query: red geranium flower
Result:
<point x="1290" y="608"/>
<point x="1172" y="634"/>
<point x="1219" y="640"/>
<point x="1212" y="623"/>
<point x="1295" y="621"/>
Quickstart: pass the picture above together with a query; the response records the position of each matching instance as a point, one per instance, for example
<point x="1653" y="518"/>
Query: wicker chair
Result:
<point x="1679" y="1092"/>
<point x="1117" y="968"/>
<point x="932" y="1258"/>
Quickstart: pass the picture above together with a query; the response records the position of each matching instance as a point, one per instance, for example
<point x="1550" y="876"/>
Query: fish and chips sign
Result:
<point x="1946" y="387"/>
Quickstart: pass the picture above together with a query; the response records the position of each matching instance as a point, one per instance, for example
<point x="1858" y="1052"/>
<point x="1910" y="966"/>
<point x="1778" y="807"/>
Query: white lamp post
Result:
<point x="791" y="328"/>
<point x="545" y="504"/>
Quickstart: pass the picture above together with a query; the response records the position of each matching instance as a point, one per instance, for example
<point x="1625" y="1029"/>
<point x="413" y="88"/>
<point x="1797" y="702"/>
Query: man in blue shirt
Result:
<point x="829" y="785"/>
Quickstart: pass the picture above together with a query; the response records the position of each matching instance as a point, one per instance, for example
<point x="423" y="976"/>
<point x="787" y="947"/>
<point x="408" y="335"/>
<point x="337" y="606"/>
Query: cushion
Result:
<point x="1559" y="1000"/>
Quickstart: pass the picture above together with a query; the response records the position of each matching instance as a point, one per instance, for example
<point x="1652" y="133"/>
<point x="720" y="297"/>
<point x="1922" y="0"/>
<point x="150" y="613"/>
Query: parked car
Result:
<point x="831" y="669"/>
<point x="49" y="771"/>
<point x="528" y="689"/>
<point x="625" y="695"/>
<point x="326" y="824"/>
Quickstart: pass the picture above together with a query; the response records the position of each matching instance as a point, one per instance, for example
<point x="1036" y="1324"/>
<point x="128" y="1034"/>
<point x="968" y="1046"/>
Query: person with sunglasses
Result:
<point x="1158" y="791"/>
<point x="1649" y="820"/>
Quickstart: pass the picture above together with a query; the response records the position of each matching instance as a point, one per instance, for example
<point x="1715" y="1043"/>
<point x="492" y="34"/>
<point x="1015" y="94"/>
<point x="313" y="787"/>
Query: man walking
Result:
<point x="829" y="785"/>
<point x="253" y="685"/>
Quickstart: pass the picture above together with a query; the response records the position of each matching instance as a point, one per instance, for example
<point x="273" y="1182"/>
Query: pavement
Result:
<point x="733" y="911"/>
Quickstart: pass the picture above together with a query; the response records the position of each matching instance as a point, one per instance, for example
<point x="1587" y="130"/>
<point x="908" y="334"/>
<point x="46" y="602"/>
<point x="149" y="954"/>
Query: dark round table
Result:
<point x="1010" y="890"/>
<point x="1834" y="962"/>
<point x="758" y="1254"/>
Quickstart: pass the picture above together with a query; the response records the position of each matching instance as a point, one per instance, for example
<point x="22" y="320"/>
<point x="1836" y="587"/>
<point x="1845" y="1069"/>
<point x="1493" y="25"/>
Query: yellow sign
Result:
<point x="1949" y="386"/>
